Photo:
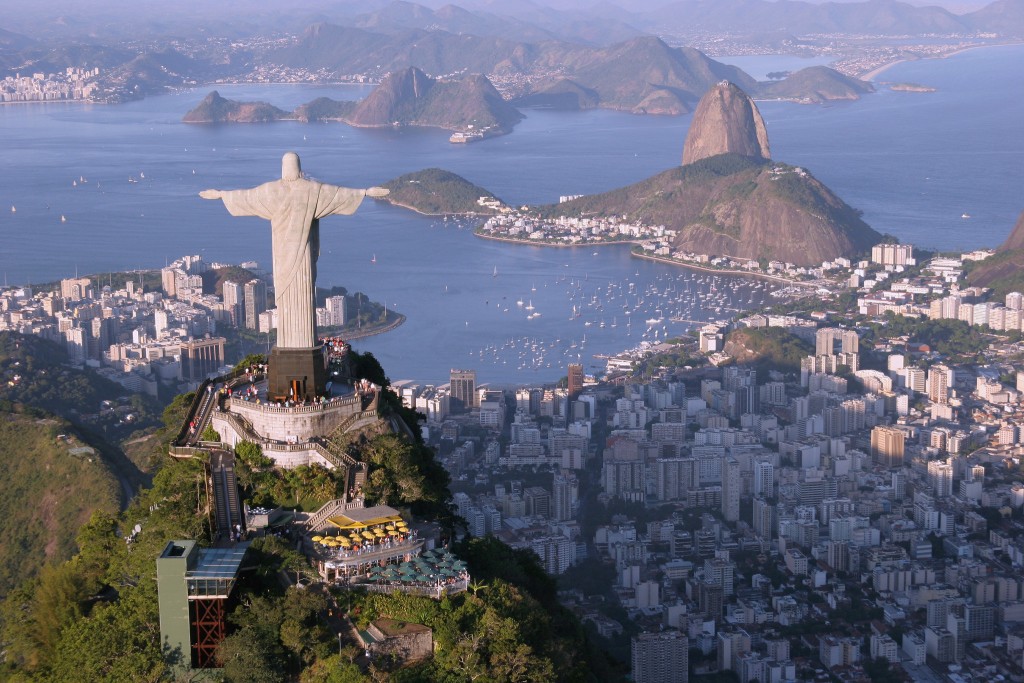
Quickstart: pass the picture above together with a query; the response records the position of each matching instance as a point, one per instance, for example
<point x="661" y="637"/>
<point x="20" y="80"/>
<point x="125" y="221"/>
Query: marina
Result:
<point x="656" y="309"/>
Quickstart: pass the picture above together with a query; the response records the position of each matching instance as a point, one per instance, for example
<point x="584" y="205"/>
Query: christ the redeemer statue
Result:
<point x="294" y="207"/>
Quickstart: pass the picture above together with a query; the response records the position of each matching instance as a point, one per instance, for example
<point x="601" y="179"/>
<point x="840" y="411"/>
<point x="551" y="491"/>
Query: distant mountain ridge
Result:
<point x="873" y="17"/>
<point x="642" y="75"/>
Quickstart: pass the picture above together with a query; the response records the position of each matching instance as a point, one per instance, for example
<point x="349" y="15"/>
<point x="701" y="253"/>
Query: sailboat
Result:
<point x="495" y="273"/>
<point x="13" y="210"/>
<point x="529" y="306"/>
<point x="63" y="218"/>
<point x="374" y="259"/>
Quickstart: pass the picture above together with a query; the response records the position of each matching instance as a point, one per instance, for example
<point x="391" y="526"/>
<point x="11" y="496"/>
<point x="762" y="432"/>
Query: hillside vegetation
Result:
<point x="51" y="487"/>
<point x="769" y="347"/>
<point x="33" y="374"/>
<point x="434" y="191"/>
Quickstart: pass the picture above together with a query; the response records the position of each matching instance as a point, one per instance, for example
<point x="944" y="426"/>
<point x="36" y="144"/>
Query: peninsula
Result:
<point x="436" y="192"/>
<point x="729" y="199"/>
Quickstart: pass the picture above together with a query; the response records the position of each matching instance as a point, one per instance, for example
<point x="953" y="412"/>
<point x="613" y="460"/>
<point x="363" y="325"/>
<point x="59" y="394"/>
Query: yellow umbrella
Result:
<point x="317" y="539"/>
<point x="393" y="533"/>
<point x="345" y="543"/>
<point x="390" y="527"/>
<point x="378" y="532"/>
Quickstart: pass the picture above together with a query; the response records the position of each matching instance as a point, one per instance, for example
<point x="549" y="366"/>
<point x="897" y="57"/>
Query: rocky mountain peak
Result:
<point x="726" y="122"/>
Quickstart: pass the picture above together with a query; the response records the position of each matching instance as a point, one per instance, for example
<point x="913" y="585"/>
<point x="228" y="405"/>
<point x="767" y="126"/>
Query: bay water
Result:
<point x="913" y="162"/>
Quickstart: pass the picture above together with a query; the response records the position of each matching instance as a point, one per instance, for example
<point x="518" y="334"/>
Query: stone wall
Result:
<point x="299" y="423"/>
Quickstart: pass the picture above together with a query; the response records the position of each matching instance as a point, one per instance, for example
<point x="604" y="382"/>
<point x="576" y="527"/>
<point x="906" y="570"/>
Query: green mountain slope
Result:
<point x="51" y="487"/>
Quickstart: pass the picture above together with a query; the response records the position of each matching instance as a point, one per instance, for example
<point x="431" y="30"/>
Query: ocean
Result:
<point x="913" y="162"/>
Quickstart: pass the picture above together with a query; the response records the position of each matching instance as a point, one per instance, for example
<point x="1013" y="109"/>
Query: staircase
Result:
<point x="318" y="521"/>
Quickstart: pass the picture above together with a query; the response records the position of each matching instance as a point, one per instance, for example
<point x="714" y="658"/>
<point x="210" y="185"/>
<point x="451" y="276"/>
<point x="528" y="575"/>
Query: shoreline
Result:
<point x="725" y="271"/>
<point x="879" y="70"/>
<point x="375" y="331"/>
<point x="513" y="240"/>
<point x="658" y="259"/>
<point x="400" y="205"/>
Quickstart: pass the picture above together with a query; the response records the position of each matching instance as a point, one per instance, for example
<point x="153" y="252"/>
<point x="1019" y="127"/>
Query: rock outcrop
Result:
<point x="411" y="98"/>
<point x="726" y="122"/>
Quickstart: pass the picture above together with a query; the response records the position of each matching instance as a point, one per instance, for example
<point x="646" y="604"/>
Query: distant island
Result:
<point x="910" y="87"/>
<point x="470" y="106"/>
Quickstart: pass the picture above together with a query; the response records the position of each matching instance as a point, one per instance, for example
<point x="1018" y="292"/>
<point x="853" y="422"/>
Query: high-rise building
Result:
<point x="565" y="491"/>
<point x="234" y="302"/>
<point x="463" y="390"/>
<point x="721" y="571"/>
<point x="575" y="380"/>
<point x="915" y="380"/>
<point x="940" y="380"/>
<point x="75" y="289"/>
<point x="764" y="478"/>
<point x="732" y="485"/>
<point x="662" y="657"/>
<point x="940" y="476"/>
<point x="710" y="600"/>
<point x="76" y="341"/>
<point x="255" y="302"/>
<point x="764" y="518"/>
<point x="337" y="315"/>
<point x="826" y="338"/>
<point x="887" y="446"/>
<point x="892" y="254"/>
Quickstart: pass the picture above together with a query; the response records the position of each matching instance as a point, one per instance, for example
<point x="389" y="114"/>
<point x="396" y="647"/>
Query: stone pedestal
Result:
<point x="298" y="374"/>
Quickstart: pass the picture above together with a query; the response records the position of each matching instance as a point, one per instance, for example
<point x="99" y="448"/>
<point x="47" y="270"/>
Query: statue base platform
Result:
<point x="297" y="374"/>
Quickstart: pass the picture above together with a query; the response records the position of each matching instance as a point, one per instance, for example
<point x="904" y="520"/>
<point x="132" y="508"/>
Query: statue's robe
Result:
<point x="294" y="209"/>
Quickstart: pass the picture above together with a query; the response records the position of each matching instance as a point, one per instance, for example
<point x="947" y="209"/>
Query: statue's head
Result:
<point x="290" y="167"/>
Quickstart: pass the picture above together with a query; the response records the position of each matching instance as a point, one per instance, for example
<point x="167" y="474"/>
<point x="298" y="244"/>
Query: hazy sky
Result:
<point x="116" y="17"/>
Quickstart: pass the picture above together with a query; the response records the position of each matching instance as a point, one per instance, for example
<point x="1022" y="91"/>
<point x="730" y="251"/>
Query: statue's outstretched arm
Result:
<point x="334" y="200"/>
<point x="377" y="192"/>
<point x="240" y="202"/>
